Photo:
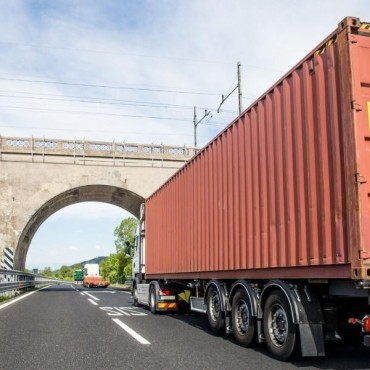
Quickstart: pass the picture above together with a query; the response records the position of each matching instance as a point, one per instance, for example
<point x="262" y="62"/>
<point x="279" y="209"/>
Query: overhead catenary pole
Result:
<point x="196" y="123"/>
<point x="239" y="87"/>
<point x="195" y="127"/>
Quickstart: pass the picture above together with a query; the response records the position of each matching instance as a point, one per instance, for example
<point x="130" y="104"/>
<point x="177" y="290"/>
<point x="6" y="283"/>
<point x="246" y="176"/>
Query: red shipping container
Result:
<point x="284" y="191"/>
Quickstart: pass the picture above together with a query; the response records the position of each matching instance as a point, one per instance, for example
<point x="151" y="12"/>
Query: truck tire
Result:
<point x="280" y="332"/>
<point x="215" y="315"/>
<point x="244" y="325"/>
<point x="152" y="300"/>
<point x="134" y="296"/>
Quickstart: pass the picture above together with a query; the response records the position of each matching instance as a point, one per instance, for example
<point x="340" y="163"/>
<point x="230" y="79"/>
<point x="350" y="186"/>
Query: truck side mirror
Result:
<point x="128" y="248"/>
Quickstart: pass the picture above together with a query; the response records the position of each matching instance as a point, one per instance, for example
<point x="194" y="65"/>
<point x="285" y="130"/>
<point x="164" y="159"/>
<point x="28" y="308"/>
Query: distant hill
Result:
<point x="97" y="260"/>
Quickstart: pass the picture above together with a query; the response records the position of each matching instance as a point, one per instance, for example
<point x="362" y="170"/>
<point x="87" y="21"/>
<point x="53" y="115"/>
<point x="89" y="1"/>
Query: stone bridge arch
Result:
<point x="120" y="197"/>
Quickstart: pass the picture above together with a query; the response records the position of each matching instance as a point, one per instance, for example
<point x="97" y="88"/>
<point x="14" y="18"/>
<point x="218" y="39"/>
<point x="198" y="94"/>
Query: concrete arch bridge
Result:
<point x="38" y="177"/>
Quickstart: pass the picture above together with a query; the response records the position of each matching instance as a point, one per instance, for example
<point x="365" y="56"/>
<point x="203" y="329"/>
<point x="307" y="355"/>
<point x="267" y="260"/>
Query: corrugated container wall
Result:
<point x="276" y="193"/>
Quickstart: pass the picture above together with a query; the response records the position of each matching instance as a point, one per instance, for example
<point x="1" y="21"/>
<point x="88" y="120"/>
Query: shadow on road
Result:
<point x="338" y="355"/>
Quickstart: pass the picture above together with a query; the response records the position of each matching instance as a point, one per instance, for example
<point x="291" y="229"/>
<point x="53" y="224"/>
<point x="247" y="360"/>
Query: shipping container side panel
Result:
<point x="361" y="61"/>
<point x="195" y="205"/>
<point x="249" y="190"/>
<point x="230" y="198"/>
<point x="263" y="183"/>
<point x="192" y="222"/>
<point x="324" y="178"/>
<point x="335" y="156"/>
<point x="320" y="138"/>
<point x="242" y="194"/>
<point x="220" y="205"/>
<point x="224" y="224"/>
<point x="279" y="180"/>
<point x="254" y="173"/>
<point x="236" y="160"/>
<point x="310" y="166"/>
<point x="212" y="205"/>
<point x="181" y="211"/>
<point x="289" y="176"/>
<point x="206" y="207"/>
<point x="214" y="208"/>
<point x="272" y="250"/>
<point x="200" y="247"/>
<point x="339" y="253"/>
<point x="300" y="189"/>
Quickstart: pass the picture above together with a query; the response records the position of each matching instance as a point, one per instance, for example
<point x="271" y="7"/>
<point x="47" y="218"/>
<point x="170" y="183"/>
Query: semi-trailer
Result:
<point x="267" y="229"/>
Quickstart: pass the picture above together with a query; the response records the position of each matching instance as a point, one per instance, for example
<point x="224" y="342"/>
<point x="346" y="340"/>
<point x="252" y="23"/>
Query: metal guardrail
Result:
<point x="12" y="280"/>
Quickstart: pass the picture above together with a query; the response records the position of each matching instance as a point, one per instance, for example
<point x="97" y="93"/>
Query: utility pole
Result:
<point x="196" y="123"/>
<point x="239" y="87"/>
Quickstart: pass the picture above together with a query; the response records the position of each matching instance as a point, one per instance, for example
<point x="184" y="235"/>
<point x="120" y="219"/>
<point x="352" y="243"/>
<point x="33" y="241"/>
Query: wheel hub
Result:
<point x="279" y="326"/>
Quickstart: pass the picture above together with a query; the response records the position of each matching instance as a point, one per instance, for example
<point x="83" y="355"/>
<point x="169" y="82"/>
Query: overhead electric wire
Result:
<point x="111" y="86"/>
<point x="95" y="131"/>
<point x="33" y="109"/>
<point x="107" y="101"/>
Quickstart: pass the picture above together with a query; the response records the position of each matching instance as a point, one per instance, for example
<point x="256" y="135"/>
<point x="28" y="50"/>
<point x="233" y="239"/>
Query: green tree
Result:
<point x="65" y="273"/>
<point x="109" y="268"/>
<point x="125" y="235"/>
<point x="125" y="232"/>
<point x="47" y="272"/>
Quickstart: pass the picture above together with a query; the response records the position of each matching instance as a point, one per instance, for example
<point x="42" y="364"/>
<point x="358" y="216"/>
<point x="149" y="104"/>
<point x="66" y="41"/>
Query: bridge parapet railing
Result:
<point x="12" y="280"/>
<point x="82" y="148"/>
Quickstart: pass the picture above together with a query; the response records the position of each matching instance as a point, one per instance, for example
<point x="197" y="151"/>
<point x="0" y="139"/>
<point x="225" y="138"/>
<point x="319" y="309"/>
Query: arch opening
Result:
<point x="122" y="198"/>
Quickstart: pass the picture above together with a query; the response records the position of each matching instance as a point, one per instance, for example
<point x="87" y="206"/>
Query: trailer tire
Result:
<point x="152" y="300"/>
<point x="215" y="315"/>
<point x="279" y="329"/>
<point x="244" y="324"/>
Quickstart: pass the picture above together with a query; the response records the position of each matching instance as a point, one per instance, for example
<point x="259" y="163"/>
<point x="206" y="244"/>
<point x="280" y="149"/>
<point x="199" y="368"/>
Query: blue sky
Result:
<point x="133" y="71"/>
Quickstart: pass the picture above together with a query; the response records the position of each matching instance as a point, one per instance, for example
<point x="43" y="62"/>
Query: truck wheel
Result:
<point x="244" y="325"/>
<point x="134" y="296"/>
<point x="280" y="332"/>
<point x="152" y="300"/>
<point x="215" y="315"/>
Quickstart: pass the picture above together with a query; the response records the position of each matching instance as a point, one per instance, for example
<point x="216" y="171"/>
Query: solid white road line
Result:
<point x="90" y="295"/>
<point x="93" y="302"/>
<point x="133" y="333"/>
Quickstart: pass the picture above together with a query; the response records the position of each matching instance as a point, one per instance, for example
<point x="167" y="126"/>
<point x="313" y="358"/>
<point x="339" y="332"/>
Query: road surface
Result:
<point x="71" y="327"/>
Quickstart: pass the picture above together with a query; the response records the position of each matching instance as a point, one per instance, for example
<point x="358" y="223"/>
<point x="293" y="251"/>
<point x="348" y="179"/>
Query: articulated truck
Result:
<point x="266" y="230"/>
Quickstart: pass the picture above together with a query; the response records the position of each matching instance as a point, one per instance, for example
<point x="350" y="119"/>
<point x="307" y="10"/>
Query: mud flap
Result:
<point x="312" y="340"/>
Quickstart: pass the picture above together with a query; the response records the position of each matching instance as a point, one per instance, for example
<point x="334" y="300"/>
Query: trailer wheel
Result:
<point x="214" y="311"/>
<point x="244" y="325"/>
<point x="280" y="332"/>
<point x="152" y="300"/>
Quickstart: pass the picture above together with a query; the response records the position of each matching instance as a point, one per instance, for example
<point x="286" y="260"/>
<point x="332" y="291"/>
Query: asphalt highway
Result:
<point x="71" y="327"/>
